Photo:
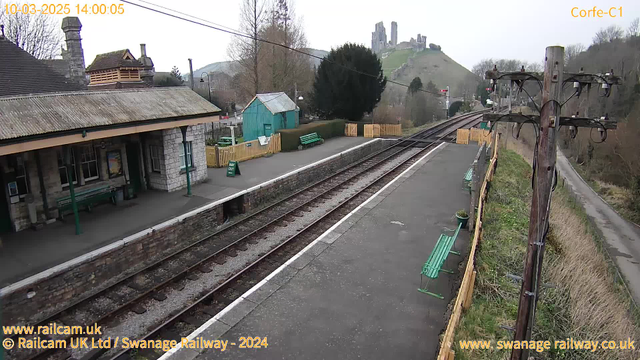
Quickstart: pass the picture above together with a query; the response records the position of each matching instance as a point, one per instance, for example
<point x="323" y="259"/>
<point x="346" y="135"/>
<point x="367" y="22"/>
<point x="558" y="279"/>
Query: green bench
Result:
<point x="433" y="266"/>
<point x="225" y="141"/>
<point x="468" y="176"/>
<point x="309" y="139"/>
<point x="86" y="199"/>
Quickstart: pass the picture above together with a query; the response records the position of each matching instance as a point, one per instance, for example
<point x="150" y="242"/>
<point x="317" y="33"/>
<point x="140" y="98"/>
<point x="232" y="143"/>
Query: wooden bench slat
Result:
<point x="310" y="139"/>
<point x="438" y="256"/>
<point x="86" y="198"/>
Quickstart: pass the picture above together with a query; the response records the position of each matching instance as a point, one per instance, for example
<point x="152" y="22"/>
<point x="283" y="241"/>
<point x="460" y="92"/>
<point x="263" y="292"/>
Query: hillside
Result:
<point x="429" y="65"/>
<point x="228" y="67"/>
<point x="222" y="66"/>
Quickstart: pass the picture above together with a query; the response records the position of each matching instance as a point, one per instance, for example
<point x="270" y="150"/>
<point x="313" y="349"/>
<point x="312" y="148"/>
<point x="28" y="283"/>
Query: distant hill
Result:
<point x="228" y="67"/>
<point x="222" y="66"/>
<point x="429" y="65"/>
<point x="316" y="52"/>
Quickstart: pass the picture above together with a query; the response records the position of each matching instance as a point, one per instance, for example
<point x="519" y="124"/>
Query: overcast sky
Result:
<point x="468" y="31"/>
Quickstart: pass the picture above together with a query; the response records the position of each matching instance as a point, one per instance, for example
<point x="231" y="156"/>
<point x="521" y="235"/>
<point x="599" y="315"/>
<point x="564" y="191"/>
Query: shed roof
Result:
<point x="22" y="116"/>
<point x="21" y="73"/>
<point x="114" y="59"/>
<point x="276" y="102"/>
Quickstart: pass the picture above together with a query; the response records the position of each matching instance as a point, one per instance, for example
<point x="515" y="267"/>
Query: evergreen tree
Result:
<point x="175" y="72"/>
<point x="338" y="91"/>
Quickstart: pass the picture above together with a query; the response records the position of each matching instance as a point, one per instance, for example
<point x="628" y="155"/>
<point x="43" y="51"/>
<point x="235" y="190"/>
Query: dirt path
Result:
<point x="622" y="237"/>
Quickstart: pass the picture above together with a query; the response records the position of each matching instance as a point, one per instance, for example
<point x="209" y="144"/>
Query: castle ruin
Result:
<point x="379" y="41"/>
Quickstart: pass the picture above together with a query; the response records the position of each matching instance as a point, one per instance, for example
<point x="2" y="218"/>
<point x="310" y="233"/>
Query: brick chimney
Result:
<point x="147" y="73"/>
<point x="74" y="55"/>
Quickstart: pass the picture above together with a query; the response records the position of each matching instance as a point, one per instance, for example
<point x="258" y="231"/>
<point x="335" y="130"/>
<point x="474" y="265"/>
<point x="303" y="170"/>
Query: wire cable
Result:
<point x="240" y="34"/>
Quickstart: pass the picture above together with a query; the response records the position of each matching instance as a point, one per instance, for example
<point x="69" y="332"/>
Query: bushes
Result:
<point x="326" y="129"/>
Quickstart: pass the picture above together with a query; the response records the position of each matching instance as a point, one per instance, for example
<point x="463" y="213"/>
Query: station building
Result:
<point x="60" y="127"/>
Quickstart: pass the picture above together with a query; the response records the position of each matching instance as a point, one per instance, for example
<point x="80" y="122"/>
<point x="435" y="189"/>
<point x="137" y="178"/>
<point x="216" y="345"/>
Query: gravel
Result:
<point x="134" y="325"/>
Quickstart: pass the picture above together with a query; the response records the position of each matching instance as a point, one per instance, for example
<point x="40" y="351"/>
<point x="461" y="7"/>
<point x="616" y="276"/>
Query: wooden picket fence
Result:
<point x="462" y="136"/>
<point x="377" y="130"/>
<point x="372" y="130"/>
<point x="350" y="129"/>
<point x="478" y="135"/>
<point x="465" y="293"/>
<point x="390" y="130"/>
<point x="220" y="156"/>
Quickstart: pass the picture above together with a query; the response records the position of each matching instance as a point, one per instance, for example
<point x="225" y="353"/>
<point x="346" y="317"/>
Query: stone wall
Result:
<point x="172" y="144"/>
<point x="51" y="176"/>
<point x="58" y="287"/>
<point x="296" y="181"/>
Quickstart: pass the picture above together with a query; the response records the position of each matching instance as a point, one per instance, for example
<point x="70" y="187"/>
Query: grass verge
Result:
<point x="614" y="195"/>
<point x="584" y="302"/>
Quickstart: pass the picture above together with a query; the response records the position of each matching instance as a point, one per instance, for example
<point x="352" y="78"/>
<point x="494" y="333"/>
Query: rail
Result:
<point x="403" y="144"/>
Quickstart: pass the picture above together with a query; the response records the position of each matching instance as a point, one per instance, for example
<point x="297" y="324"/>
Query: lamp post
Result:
<point x="208" y="83"/>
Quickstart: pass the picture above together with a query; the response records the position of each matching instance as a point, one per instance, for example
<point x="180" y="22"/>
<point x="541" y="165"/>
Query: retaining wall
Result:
<point x="62" y="285"/>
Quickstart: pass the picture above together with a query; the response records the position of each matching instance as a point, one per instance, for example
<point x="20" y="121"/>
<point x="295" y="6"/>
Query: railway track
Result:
<point x="198" y="259"/>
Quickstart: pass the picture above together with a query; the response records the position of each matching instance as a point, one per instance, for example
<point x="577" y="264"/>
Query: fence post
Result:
<point x="467" y="300"/>
<point x="217" y="155"/>
<point x="474" y="195"/>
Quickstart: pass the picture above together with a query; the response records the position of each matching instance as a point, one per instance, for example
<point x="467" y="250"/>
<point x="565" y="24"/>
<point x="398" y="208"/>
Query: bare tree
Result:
<point x="571" y="52"/>
<point x="534" y="67"/>
<point x="634" y="28"/>
<point x="37" y="34"/>
<point x="282" y="68"/>
<point x="610" y="34"/>
<point x="246" y="52"/>
<point x="482" y="67"/>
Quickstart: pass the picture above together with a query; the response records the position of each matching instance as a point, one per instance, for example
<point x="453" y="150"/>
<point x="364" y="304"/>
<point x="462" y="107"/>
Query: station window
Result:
<point x="189" y="155"/>
<point x="62" y="169"/>
<point x="156" y="157"/>
<point x="21" y="179"/>
<point x="89" y="162"/>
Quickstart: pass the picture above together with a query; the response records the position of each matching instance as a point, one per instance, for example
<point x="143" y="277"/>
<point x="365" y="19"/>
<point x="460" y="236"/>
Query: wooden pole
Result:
<point x="541" y="201"/>
<point x="469" y="295"/>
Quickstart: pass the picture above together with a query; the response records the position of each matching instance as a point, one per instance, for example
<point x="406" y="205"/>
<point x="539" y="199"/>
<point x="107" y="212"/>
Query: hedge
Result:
<point x="326" y="129"/>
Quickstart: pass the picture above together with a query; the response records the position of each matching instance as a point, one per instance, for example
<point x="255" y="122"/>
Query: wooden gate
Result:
<point x="462" y="136"/>
<point x="371" y="130"/>
<point x="351" y="130"/>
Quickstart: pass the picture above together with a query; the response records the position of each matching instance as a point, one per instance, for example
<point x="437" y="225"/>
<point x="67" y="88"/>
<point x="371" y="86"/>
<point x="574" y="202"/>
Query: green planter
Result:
<point x="462" y="220"/>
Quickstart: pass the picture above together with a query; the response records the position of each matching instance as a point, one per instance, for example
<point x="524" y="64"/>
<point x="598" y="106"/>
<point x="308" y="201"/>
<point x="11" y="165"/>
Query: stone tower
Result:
<point x="74" y="55"/>
<point x="147" y="73"/>
<point x="379" y="38"/>
<point x="394" y="33"/>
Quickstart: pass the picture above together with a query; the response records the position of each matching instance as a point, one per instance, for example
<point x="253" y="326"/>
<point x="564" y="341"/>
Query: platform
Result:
<point x="353" y="292"/>
<point x="29" y="252"/>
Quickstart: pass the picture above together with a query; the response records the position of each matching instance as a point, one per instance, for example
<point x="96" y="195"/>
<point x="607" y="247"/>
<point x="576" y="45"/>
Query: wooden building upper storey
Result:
<point x="116" y="70"/>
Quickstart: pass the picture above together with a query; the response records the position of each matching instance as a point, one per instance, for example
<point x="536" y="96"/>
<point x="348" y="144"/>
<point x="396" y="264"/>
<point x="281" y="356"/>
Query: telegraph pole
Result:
<point x="546" y="123"/>
<point x="541" y="201"/>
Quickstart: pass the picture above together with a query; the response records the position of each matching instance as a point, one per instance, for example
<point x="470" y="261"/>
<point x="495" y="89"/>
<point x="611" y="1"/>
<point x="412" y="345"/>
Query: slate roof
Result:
<point x="112" y="60"/>
<point x="60" y="66"/>
<point x="21" y="73"/>
<point x="23" y="116"/>
<point x="276" y="102"/>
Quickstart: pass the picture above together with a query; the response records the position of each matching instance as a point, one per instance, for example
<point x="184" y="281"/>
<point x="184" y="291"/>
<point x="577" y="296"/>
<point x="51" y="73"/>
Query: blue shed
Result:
<point x="267" y="113"/>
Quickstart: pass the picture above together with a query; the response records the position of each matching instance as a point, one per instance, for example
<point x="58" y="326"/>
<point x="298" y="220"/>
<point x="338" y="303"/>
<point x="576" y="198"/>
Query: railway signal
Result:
<point x="550" y="119"/>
